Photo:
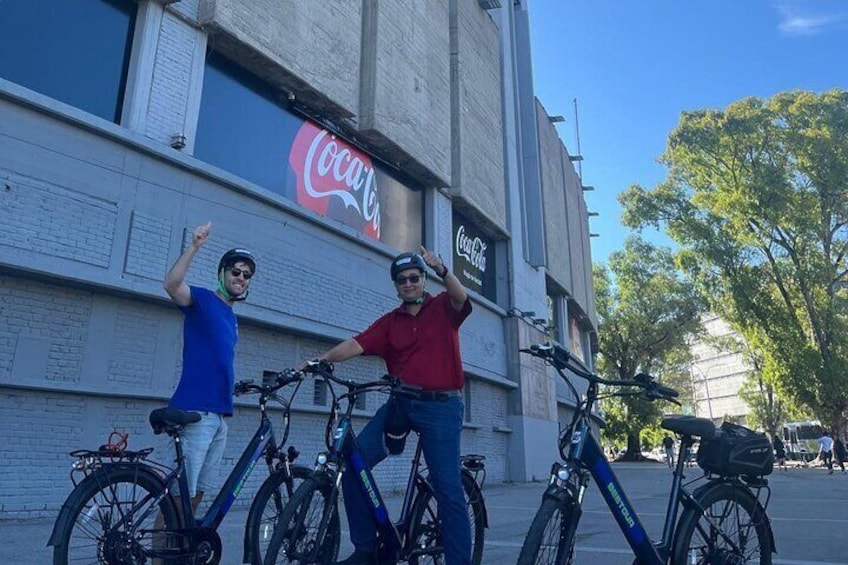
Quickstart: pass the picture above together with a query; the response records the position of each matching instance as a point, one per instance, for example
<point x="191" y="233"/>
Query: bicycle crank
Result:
<point x="205" y="545"/>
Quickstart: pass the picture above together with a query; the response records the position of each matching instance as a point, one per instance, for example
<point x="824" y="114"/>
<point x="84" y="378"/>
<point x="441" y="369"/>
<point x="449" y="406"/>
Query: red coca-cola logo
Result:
<point x="335" y="179"/>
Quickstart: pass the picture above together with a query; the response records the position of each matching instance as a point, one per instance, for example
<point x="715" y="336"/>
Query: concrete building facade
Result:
<point x="324" y="136"/>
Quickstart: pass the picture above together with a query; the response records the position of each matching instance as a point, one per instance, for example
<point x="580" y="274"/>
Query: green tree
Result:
<point x="646" y="312"/>
<point x="756" y="197"/>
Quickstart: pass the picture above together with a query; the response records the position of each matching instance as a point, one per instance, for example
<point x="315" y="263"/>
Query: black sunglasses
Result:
<point x="414" y="279"/>
<point x="238" y="272"/>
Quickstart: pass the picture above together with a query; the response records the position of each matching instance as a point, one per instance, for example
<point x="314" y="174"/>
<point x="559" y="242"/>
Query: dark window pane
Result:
<point x="76" y="52"/>
<point x="247" y="128"/>
<point x="242" y="129"/>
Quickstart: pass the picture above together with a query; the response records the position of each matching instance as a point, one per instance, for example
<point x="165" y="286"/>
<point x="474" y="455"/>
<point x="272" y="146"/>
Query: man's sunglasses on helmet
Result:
<point x="236" y="272"/>
<point x="414" y="279"/>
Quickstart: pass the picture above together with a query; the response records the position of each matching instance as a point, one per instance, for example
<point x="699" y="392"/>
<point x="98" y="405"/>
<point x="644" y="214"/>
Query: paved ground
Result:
<point x="809" y="513"/>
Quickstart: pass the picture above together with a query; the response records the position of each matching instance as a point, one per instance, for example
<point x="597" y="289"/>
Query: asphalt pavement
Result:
<point x="808" y="510"/>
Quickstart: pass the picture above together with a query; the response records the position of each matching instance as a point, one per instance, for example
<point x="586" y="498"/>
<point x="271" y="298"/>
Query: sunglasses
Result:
<point x="238" y="272"/>
<point x="414" y="279"/>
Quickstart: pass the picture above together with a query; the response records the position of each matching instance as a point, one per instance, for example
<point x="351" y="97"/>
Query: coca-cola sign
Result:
<point x="472" y="257"/>
<point x="472" y="249"/>
<point x="335" y="179"/>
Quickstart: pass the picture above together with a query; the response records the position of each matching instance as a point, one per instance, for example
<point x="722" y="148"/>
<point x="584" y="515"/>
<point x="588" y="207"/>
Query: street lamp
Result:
<point x="705" y="379"/>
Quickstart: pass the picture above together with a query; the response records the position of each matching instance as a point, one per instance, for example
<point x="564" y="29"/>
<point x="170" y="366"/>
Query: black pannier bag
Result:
<point x="736" y="450"/>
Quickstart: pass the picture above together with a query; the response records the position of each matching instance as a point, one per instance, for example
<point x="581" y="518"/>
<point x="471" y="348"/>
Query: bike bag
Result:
<point x="736" y="450"/>
<point x="396" y="426"/>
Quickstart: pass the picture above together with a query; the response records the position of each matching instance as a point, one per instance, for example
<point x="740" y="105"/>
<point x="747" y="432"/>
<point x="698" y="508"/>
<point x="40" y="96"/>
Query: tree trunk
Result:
<point x="634" y="448"/>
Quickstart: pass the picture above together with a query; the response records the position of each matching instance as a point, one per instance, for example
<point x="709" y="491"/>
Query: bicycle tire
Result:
<point x="425" y="527"/>
<point x="734" y="510"/>
<point x="310" y="507"/>
<point x="100" y="501"/>
<point x="551" y="537"/>
<point x="266" y="508"/>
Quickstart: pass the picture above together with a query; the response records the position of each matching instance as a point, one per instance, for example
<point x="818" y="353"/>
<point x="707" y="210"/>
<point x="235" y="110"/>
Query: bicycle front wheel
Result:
<point x="550" y="539"/>
<point x="312" y="508"/>
<point x="732" y="529"/>
<point x="426" y="528"/>
<point x="99" y="510"/>
<point x="266" y="508"/>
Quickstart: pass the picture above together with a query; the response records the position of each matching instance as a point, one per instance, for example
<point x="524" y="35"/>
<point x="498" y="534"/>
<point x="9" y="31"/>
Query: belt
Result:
<point x="438" y="395"/>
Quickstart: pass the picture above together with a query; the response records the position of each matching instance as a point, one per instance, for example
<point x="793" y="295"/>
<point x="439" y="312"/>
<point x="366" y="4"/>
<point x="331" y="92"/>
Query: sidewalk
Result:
<point x="806" y="512"/>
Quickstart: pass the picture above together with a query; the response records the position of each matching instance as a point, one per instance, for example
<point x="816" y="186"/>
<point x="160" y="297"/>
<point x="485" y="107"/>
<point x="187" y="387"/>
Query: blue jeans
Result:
<point x="439" y="424"/>
<point x="203" y="447"/>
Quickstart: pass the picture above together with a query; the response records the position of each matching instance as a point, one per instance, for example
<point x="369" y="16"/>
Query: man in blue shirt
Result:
<point x="210" y="332"/>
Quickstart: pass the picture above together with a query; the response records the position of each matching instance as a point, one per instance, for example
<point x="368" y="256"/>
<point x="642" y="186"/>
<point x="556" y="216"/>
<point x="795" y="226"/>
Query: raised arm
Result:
<point x="174" y="282"/>
<point x="456" y="291"/>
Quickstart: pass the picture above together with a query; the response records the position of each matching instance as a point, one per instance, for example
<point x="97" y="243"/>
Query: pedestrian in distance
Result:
<point x="839" y="454"/>
<point x="826" y="451"/>
<point x="668" y="446"/>
<point x="419" y="341"/>
<point x="779" y="452"/>
<point x="210" y="332"/>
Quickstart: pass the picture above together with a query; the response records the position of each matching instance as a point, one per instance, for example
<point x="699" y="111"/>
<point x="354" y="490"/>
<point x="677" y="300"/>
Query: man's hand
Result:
<point x="201" y="234"/>
<point x="434" y="261"/>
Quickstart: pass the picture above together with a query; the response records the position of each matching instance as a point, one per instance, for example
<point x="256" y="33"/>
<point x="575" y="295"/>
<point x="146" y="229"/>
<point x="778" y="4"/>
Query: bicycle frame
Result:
<point x="346" y="446"/>
<point x="587" y="453"/>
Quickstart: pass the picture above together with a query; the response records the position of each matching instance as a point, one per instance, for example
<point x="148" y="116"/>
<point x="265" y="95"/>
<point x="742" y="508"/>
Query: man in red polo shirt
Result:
<point x="419" y="341"/>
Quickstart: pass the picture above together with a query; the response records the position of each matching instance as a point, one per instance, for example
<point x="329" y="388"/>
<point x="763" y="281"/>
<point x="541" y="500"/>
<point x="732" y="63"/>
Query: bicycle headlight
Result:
<point x="321" y="459"/>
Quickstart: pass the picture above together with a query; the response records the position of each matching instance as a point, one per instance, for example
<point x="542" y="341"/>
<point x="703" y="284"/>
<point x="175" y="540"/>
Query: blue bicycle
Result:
<point x="722" y="522"/>
<point x="308" y="530"/>
<point x="123" y="511"/>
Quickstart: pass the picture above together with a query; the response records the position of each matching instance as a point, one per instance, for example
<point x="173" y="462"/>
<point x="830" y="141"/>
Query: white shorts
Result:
<point x="203" y="447"/>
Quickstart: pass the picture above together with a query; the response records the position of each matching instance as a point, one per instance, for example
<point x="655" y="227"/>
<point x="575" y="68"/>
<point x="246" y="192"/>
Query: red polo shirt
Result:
<point x="422" y="350"/>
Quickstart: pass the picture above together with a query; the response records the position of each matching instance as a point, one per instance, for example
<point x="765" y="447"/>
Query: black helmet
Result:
<point x="406" y="261"/>
<point x="233" y="256"/>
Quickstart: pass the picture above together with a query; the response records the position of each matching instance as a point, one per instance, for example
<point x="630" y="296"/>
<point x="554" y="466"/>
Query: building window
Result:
<point x="319" y="397"/>
<point x="76" y="52"/>
<point x="247" y="128"/>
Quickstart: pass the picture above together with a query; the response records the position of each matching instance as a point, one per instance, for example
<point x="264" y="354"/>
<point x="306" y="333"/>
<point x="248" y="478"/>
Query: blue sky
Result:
<point x="634" y="66"/>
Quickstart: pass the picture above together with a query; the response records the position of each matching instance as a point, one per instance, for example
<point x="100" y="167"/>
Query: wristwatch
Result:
<point x="444" y="272"/>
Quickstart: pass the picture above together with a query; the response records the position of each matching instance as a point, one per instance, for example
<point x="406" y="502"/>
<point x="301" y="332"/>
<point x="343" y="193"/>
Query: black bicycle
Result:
<point x="123" y="509"/>
<point x="722" y="521"/>
<point x="309" y="525"/>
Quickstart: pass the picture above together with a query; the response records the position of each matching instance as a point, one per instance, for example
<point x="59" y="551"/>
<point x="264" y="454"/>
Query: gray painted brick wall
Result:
<point x="92" y="215"/>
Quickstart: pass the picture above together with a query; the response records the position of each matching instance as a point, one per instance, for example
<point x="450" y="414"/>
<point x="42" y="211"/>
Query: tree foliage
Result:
<point x="646" y="312"/>
<point x="756" y="198"/>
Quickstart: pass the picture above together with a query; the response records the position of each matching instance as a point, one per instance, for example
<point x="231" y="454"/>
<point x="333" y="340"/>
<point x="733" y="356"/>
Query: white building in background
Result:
<point x="718" y="372"/>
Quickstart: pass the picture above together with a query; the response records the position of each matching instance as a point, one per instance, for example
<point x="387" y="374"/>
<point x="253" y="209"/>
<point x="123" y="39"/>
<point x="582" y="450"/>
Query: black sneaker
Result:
<point x="359" y="558"/>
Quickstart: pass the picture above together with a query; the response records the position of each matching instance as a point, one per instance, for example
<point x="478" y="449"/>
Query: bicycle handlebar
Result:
<point x="272" y="381"/>
<point x="562" y="359"/>
<point x="324" y="369"/>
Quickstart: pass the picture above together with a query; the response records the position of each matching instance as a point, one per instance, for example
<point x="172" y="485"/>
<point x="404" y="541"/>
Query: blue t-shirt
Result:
<point x="210" y="333"/>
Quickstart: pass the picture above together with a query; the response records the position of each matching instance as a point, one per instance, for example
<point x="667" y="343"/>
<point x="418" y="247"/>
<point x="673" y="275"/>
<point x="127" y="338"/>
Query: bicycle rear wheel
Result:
<point x="295" y="537"/>
<point x="266" y="508"/>
<point x="550" y="539"/>
<point x="97" y="512"/>
<point x="732" y="529"/>
<point x="426" y="529"/>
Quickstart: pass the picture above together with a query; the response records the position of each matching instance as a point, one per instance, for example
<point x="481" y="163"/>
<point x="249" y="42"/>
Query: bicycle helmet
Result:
<point x="406" y="261"/>
<point x="228" y="260"/>
<point x="233" y="256"/>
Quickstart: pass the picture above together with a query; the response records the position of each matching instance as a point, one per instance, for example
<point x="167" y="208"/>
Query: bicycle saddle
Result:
<point x="171" y="420"/>
<point x="690" y="426"/>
